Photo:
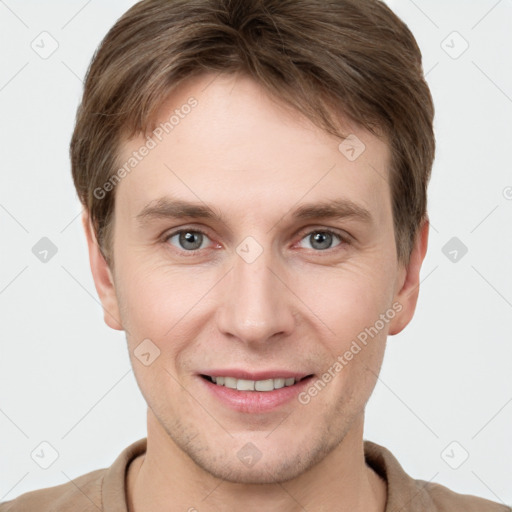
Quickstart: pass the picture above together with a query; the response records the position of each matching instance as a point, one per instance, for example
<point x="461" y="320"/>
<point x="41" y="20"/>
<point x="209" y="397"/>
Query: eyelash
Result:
<point x="344" y="239"/>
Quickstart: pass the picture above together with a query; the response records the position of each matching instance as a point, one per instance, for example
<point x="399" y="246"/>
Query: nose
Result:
<point x="257" y="306"/>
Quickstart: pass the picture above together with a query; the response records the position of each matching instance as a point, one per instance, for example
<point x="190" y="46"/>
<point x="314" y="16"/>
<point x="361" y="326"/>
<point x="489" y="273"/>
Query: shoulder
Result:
<point x="83" y="494"/>
<point x="407" y="493"/>
<point x="447" y="500"/>
<point x="102" y="489"/>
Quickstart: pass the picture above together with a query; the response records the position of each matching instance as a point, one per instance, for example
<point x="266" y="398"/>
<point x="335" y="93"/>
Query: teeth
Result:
<point x="279" y="383"/>
<point x="245" y="385"/>
<point x="253" y="385"/>
<point x="264" y="385"/>
<point x="230" y="382"/>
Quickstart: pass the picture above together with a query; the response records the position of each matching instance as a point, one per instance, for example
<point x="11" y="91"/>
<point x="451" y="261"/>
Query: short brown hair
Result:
<point x="324" y="58"/>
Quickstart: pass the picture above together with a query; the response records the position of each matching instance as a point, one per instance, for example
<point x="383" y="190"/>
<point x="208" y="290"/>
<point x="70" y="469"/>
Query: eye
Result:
<point x="192" y="240"/>
<point x="187" y="239"/>
<point x="322" y="239"/>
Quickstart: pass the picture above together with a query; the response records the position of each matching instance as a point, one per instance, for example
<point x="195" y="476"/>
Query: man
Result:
<point x="254" y="178"/>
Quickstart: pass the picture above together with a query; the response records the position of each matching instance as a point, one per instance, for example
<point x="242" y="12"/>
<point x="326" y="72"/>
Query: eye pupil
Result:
<point x="321" y="238"/>
<point x="187" y="238"/>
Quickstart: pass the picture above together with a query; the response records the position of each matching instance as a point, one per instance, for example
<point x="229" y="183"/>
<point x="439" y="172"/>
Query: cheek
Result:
<point x="346" y="299"/>
<point x="155" y="296"/>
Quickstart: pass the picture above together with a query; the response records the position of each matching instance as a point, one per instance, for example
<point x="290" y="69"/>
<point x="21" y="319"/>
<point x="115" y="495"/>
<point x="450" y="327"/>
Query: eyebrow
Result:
<point x="168" y="208"/>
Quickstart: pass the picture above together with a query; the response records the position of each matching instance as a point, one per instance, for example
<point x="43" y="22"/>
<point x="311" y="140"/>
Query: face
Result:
<point x="249" y="249"/>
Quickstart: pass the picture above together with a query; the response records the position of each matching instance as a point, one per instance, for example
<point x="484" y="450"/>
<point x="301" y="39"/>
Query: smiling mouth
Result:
<point x="254" y="385"/>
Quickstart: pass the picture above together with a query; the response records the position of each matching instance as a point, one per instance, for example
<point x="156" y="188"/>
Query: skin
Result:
<point x="295" y="307"/>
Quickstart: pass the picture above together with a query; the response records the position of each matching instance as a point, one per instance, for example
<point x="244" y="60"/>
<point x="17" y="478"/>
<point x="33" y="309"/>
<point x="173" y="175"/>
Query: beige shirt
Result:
<point x="105" y="489"/>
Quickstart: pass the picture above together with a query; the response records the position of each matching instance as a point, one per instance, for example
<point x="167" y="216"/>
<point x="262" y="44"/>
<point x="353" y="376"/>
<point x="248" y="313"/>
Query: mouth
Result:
<point x="264" y="385"/>
<point x="253" y="391"/>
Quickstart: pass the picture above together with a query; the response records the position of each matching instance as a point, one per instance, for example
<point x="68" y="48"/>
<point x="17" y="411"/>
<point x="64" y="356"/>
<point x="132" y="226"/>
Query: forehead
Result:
<point x="223" y="141"/>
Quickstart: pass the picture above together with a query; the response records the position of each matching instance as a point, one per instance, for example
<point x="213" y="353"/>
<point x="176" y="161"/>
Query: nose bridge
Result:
<point x="256" y="305"/>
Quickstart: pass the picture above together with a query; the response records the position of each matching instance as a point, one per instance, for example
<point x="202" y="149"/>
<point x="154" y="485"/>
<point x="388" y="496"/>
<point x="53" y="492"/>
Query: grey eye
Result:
<point x="188" y="240"/>
<point x="321" y="240"/>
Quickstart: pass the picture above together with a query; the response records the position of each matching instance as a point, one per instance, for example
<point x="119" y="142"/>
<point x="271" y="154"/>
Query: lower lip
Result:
<point x="255" y="401"/>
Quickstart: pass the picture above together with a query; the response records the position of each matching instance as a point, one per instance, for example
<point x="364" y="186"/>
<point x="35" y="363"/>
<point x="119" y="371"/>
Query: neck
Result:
<point x="166" y="479"/>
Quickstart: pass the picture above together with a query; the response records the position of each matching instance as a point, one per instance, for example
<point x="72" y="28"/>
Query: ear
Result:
<point x="103" y="279"/>
<point x="408" y="283"/>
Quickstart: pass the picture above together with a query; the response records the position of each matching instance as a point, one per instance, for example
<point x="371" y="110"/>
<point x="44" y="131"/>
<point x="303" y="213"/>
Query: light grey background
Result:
<point x="65" y="377"/>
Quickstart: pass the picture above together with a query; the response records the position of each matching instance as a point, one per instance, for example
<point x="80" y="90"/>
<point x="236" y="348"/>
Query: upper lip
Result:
<point x="254" y="375"/>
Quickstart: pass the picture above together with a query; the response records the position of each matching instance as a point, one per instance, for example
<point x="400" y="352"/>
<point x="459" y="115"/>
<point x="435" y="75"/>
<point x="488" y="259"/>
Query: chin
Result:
<point x="248" y="465"/>
<point x="270" y="472"/>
